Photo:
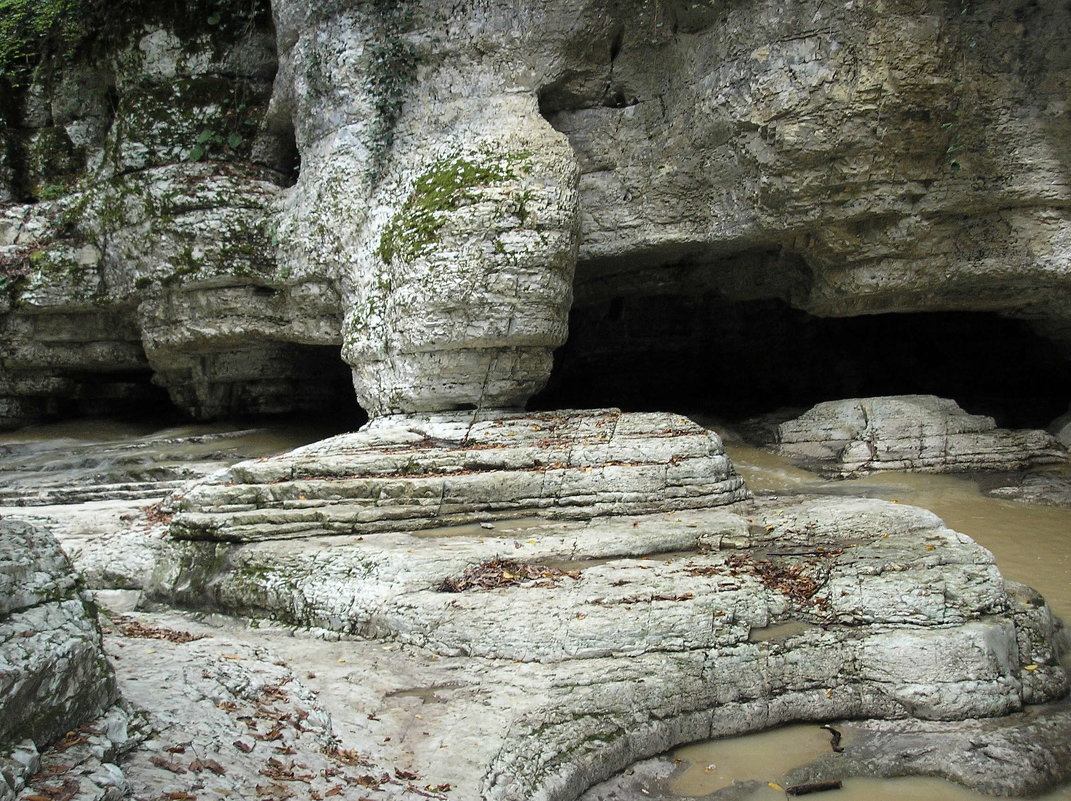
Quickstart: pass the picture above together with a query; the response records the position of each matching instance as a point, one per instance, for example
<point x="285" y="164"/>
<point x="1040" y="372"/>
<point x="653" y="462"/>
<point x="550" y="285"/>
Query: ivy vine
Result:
<point x="392" y="68"/>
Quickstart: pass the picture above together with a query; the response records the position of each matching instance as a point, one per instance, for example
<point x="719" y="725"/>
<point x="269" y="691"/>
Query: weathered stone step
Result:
<point x="406" y="473"/>
<point x="93" y="492"/>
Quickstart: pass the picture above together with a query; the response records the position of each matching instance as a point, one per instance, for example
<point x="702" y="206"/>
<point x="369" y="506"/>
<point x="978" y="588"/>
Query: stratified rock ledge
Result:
<point x="661" y="629"/>
<point x="920" y="433"/>
<point x="411" y="472"/>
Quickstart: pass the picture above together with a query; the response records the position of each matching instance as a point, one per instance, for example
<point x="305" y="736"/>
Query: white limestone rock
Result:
<point x="921" y="433"/>
<point x="412" y="472"/>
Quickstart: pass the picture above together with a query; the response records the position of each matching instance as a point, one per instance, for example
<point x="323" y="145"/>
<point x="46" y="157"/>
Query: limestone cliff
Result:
<point x="423" y="184"/>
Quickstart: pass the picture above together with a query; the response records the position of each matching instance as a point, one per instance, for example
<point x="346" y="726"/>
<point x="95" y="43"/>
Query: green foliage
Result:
<point x="391" y="71"/>
<point x="210" y="139"/>
<point x="53" y="191"/>
<point x="30" y="29"/>
<point x="29" y="26"/>
<point x="443" y="188"/>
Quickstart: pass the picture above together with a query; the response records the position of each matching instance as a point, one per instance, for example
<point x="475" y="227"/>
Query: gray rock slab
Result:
<point x="920" y="433"/>
<point x="53" y="673"/>
<point x="412" y="472"/>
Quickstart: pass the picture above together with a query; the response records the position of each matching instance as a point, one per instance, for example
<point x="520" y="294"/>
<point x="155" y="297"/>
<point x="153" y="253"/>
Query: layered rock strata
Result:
<point x="815" y="610"/>
<point x="53" y="672"/>
<point x="459" y="164"/>
<point x="920" y="433"/>
<point x="411" y="472"/>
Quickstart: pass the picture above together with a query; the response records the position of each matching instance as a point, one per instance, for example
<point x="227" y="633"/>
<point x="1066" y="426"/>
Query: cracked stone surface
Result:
<point x="53" y="673"/>
<point x="411" y="472"/>
<point x="920" y="433"/>
<point x="548" y="687"/>
<point x="635" y="633"/>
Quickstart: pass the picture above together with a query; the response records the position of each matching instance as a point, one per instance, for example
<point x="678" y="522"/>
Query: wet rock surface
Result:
<point x="919" y="433"/>
<point x="974" y="753"/>
<point x="578" y="645"/>
<point x="1043" y="488"/>
<point x="570" y="662"/>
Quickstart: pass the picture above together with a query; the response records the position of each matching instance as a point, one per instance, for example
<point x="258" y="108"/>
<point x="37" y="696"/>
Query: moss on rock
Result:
<point x="445" y="187"/>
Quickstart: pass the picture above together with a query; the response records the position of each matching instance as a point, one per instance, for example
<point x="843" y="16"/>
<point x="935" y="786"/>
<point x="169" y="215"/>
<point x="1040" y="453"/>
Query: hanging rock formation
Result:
<point x="454" y="165"/>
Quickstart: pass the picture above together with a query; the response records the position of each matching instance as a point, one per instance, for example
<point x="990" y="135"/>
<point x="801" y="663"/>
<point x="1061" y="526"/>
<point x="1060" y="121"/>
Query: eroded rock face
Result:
<point x="907" y="432"/>
<point x="412" y="472"/>
<point x="458" y="163"/>
<point x="146" y="252"/>
<point x="53" y="673"/>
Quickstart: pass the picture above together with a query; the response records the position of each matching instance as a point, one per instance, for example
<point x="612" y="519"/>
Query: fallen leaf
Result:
<point x="160" y="762"/>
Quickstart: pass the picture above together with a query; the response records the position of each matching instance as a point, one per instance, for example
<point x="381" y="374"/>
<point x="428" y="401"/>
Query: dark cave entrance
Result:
<point x="268" y="380"/>
<point x="700" y="353"/>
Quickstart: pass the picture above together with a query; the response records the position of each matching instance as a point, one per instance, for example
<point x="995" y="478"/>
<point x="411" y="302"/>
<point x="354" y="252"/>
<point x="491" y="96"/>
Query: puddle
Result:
<point x="765" y="757"/>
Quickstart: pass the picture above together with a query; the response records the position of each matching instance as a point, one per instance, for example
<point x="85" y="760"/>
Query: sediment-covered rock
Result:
<point x="920" y="433"/>
<point x="53" y="672"/>
<point x="412" y="472"/>
<point x="1019" y="755"/>
<point x="1044" y="488"/>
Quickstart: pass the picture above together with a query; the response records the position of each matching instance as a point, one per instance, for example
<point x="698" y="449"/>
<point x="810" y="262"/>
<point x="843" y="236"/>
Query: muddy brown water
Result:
<point x="1032" y="544"/>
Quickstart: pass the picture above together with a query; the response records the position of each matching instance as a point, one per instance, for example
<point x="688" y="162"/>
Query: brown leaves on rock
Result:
<point x="155" y="515"/>
<point x="348" y="756"/>
<point x="55" y="792"/>
<point x="160" y="762"/>
<point x="129" y="627"/>
<point x="199" y="765"/>
<point x="790" y="580"/>
<point x="280" y="772"/>
<point x="505" y="573"/>
<point x="70" y="739"/>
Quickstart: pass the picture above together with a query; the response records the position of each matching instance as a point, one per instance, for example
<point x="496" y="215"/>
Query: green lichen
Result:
<point x="444" y="188"/>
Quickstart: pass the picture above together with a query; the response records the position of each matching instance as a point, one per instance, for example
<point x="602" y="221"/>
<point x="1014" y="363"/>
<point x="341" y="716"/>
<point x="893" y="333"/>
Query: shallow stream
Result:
<point x="1032" y="545"/>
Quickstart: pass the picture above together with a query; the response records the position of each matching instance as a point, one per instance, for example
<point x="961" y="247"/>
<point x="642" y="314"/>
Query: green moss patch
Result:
<point x="444" y="188"/>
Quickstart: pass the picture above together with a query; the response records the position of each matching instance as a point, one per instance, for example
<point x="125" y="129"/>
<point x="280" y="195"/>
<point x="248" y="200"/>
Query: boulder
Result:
<point x="921" y="433"/>
<point x="54" y="676"/>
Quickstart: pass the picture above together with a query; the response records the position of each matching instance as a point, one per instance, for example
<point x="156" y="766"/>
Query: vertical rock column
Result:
<point x="467" y="287"/>
<point x="433" y="188"/>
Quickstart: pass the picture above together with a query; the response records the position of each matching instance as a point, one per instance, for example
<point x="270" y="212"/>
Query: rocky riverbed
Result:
<point x="568" y="648"/>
